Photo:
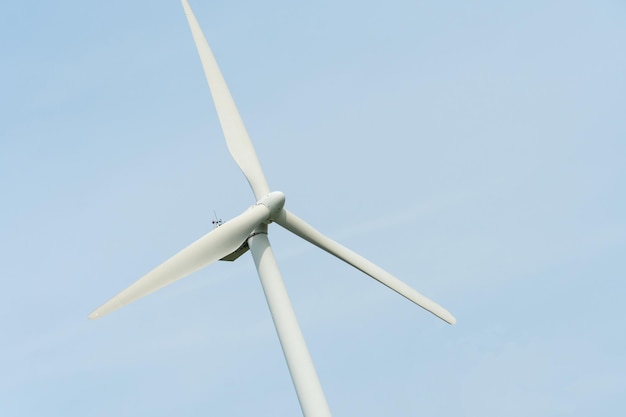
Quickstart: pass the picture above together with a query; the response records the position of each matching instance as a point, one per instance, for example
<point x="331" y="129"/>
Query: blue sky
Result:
<point x="476" y="150"/>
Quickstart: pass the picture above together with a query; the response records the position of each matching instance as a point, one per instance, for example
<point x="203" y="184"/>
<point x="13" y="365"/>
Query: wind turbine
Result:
<point x="249" y="230"/>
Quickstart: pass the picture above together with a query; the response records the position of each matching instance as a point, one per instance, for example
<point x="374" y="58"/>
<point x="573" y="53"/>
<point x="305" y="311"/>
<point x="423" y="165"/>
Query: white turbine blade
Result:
<point x="204" y="251"/>
<point x="235" y="132"/>
<point x="299" y="227"/>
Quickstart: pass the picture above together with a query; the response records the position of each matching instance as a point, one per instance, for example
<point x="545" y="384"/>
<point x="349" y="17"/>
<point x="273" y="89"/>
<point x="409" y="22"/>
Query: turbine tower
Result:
<point x="249" y="230"/>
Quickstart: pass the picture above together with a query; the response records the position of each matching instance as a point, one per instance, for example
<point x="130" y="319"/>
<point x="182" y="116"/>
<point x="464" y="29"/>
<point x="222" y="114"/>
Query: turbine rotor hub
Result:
<point x="274" y="201"/>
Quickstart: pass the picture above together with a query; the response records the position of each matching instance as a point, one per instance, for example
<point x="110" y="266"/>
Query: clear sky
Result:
<point x="475" y="149"/>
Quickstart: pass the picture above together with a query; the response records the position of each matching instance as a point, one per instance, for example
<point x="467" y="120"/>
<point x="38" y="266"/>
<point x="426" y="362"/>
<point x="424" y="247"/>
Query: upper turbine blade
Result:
<point x="299" y="227"/>
<point x="237" y="138"/>
<point x="208" y="249"/>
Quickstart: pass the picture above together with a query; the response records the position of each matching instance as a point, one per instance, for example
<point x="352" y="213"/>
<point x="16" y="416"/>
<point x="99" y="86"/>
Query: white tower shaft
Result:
<point x="305" y="380"/>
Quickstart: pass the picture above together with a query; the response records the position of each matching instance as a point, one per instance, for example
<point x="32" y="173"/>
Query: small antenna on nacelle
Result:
<point x="216" y="222"/>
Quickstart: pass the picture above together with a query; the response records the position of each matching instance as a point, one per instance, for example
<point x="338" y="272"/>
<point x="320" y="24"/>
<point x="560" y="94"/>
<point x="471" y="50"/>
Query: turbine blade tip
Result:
<point x="449" y="318"/>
